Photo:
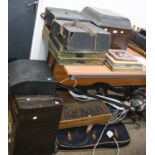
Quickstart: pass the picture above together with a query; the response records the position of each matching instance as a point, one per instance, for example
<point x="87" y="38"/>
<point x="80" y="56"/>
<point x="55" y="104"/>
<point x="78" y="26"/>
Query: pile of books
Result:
<point x="74" y="57"/>
<point x="121" y="60"/>
<point x="64" y="56"/>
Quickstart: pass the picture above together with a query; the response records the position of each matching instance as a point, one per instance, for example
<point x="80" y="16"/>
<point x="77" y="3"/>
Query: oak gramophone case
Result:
<point x="34" y="123"/>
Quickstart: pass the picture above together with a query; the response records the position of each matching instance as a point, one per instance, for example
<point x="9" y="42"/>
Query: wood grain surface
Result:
<point x="60" y="74"/>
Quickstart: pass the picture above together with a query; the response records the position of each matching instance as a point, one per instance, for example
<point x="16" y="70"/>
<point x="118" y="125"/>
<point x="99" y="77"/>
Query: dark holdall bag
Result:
<point x="77" y="138"/>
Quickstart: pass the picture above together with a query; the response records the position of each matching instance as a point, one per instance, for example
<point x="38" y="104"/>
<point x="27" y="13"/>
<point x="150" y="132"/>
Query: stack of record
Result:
<point x="121" y="60"/>
<point x="75" y="57"/>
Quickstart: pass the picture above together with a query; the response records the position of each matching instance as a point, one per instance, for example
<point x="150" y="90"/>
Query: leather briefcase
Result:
<point x="77" y="35"/>
<point x="119" y="27"/>
<point x="30" y="77"/>
<point x="34" y="123"/>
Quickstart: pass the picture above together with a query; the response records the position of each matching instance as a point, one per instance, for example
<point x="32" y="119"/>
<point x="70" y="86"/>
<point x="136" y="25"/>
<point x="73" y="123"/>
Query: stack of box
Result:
<point x="74" y="40"/>
<point x="83" y="38"/>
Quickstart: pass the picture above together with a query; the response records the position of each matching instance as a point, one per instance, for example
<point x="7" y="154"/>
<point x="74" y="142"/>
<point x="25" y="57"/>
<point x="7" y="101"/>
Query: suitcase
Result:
<point x="119" y="27"/>
<point x="139" y="39"/>
<point x="57" y="13"/>
<point x="75" y="35"/>
<point x="34" y="123"/>
<point x="30" y="77"/>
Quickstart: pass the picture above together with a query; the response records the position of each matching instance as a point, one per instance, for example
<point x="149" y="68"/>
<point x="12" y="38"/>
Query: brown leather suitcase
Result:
<point x="33" y="123"/>
<point x="119" y="26"/>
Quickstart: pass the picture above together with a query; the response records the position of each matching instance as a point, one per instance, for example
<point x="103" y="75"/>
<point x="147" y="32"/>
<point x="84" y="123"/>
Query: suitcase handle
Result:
<point x="43" y="16"/>
<point x="79" y="25"/>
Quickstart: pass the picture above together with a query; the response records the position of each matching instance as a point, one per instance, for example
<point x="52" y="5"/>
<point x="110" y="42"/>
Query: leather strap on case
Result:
<point x="79" y="25"/>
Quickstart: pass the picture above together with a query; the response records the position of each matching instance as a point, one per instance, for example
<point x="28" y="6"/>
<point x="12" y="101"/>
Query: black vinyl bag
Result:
<point x="83" y="140"/>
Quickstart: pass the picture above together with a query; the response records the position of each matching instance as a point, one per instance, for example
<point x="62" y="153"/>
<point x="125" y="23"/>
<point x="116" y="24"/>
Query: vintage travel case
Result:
<point x="30" y="77"/>
<point x="77" y="35"/>
<point x="119" y="26"/>
<point x="57" y="13"/>
<point x="34" y="123"/>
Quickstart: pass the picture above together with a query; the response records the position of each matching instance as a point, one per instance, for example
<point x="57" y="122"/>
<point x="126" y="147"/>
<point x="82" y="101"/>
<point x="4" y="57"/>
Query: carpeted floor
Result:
<point x="137" y="145"/>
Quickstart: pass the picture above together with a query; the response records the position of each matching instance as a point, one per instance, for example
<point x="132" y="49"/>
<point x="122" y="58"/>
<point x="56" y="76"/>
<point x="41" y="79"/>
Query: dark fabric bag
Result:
<point x="82" y="140"/>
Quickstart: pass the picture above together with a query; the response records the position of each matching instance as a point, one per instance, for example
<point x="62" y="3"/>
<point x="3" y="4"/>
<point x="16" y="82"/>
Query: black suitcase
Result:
<point x="77" y="35"/>
<point x="119" y="26"/>
<point x="139" y="39"/>
<point x="34" y="122"/>
<point x="30" y="77"/>
<point x="57" y="13"/>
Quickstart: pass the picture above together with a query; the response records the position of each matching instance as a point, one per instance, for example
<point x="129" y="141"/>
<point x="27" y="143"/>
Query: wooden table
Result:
<point x="86" y="75"/>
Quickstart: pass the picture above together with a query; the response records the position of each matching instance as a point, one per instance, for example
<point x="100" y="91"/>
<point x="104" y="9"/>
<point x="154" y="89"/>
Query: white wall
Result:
<point x="133" y="9"/>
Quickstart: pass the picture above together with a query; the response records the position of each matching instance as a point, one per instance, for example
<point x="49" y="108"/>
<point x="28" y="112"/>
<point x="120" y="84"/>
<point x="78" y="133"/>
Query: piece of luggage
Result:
<point x="57" y="13"/>
<point x="119" y="26"/>
<point x="77" y="35"/>
<point x="30" y="77"/>
<point x="78" y="138"/>
<point x="34" y="123"/>
<point x="139" y="39"/>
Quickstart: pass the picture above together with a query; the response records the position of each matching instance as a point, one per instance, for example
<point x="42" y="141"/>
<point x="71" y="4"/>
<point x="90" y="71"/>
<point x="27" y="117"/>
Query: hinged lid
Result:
<point x="106" y="18"/>
<point x="30" y="77"/>
<point x="65" y="14"/>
